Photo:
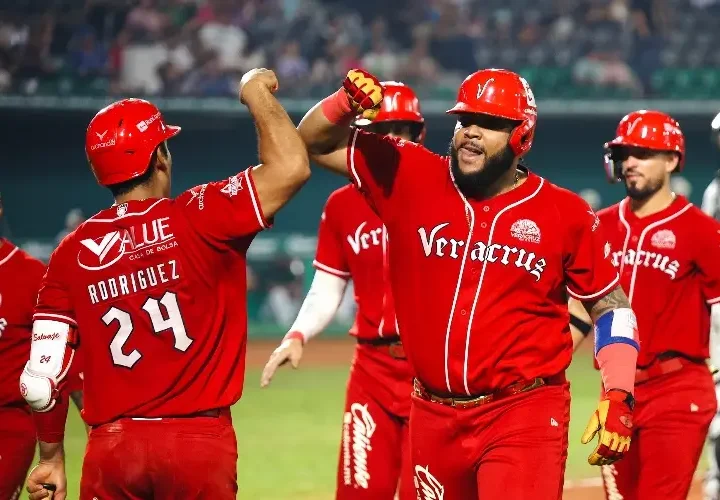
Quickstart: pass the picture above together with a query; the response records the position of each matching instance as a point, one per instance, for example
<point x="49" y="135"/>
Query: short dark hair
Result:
<point x="127" y="186"/>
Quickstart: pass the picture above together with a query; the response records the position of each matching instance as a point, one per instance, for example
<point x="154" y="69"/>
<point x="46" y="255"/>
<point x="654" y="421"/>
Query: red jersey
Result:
<point x="669" y="265"/>
<point x="20" y="277"/>
<point x="157" y="291"/>
<point x="352" y="243"/>
<point x="480" y="287"/>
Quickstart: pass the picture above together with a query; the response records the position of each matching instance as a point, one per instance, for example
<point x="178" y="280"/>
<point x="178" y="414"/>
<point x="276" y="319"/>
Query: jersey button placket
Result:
<point x="461" y="314"/>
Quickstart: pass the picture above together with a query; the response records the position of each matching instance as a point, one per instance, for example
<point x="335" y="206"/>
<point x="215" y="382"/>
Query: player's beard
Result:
<point x="476" y="184"/>
<point x="651" y="187"/>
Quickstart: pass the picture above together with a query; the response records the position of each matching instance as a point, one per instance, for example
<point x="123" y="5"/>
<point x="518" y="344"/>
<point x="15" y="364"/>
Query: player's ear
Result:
<point x="671" y="163"/>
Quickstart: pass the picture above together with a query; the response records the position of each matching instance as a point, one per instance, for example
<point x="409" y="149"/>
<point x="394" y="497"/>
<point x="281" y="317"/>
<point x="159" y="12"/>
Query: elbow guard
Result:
<point x="50" y="358"/>
<point x="616" y="326"/>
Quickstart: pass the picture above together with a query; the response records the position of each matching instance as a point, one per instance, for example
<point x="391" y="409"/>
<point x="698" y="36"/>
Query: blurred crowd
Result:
<point x="202" y="47"/>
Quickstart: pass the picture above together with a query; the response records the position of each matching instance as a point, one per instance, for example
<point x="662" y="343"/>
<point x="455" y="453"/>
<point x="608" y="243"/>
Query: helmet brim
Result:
<point x="485" y="109"/>
<point x="171" y="131"/>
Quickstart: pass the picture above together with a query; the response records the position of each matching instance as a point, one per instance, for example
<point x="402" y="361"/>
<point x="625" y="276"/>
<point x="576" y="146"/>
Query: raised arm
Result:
<point x="284" y="164"/>
<point x="325" y="129"/>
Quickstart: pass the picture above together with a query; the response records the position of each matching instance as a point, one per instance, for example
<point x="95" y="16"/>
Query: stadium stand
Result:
<point x="565" y="48"/>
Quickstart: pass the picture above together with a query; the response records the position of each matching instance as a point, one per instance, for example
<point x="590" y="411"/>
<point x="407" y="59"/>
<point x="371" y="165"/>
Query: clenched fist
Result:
<point x="258" y="78"/>
<point x="612" y="421"/>
<point x="364" y="91"/>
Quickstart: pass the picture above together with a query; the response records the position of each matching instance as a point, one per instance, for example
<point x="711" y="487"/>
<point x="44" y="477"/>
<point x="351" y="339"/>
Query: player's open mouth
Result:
<point x="470" y="152"/>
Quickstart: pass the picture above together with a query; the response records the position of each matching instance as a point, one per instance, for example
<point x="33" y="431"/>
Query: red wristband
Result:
<point x="295" y="335"/>
<point x="50" y="425"/>
<point x="337" y="109"/>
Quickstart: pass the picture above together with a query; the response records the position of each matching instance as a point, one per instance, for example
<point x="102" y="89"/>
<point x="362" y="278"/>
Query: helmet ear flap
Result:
<point x="613" y="169"/>
<point x="522" y="136"/>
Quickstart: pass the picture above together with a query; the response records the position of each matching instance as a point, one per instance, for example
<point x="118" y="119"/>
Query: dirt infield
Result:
<point x="338" y="352"/>
<point x="330" y="353"/>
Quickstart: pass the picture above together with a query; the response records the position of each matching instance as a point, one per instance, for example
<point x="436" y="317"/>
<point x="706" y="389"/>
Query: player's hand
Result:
<point x="289" y="350"/>
<point x="258" y="78"/>
<point x="365" y="92"/>
<point x="52" y="472"/>
<point x="612" y="421"/>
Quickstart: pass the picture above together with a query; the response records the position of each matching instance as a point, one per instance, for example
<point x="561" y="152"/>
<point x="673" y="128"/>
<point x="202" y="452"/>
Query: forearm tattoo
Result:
<point x="614" y="300"/>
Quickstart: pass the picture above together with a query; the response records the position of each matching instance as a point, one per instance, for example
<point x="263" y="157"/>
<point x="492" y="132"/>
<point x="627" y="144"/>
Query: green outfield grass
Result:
<point x="288" y="434"/>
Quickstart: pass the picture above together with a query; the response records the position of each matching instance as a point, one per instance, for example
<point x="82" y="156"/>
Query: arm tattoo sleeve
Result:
<point x="614" y="300"/>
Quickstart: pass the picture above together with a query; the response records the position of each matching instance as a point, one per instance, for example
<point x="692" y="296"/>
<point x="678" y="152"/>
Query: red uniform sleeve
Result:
<point x="53" y="302"/>
<point x="224" y="211"/>
<point x="375" y="163"/>
<point x="707" y="258"/>
<point x="330" y="256"/>
<point x="34" y="277"/>
<point x="589" y="273"/>
<point x="74" y="379"/>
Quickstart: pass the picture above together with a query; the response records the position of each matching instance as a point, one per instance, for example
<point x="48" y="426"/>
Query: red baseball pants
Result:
<point x="173" y="458"/>
<point x="670" y="423"/>
<point x="511" y="449"/>
<point x="374" y="452"/>
<point x="17" y="449"/>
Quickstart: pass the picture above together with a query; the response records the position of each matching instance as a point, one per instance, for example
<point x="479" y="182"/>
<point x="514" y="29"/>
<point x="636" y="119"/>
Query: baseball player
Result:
<point x="352" y="244"/>
<point x="153" y="289"/>
<point x="711" y="206"/>
<point x="20" y="277"/>
<point x="482" y="255"/>
<point x="668" y="255"/>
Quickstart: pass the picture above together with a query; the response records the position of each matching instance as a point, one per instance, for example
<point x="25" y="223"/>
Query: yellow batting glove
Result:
<point x="612" y="421"/>
<point x="365" y="92"/>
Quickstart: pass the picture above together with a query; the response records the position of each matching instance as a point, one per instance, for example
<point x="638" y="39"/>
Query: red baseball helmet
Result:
<point x="399" y="104"/>
<point x="501" y="93"/>
<point x="645" y="129"/>
<point x="121" y="139"/>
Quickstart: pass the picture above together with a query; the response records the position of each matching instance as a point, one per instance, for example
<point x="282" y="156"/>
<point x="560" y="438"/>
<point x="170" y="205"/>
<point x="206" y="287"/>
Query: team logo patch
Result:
<point x="122" y="209"/>
<point x="664" y="238"/>
<point x="525" y="230"/>
<point x="481" y="88"/>
<point x="233" y="186"/>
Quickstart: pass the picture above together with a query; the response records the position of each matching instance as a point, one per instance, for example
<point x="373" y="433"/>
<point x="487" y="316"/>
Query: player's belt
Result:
<point x="473" y="401"/>
<point x="391" y="345"/>
<point x="662" y="365"/>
